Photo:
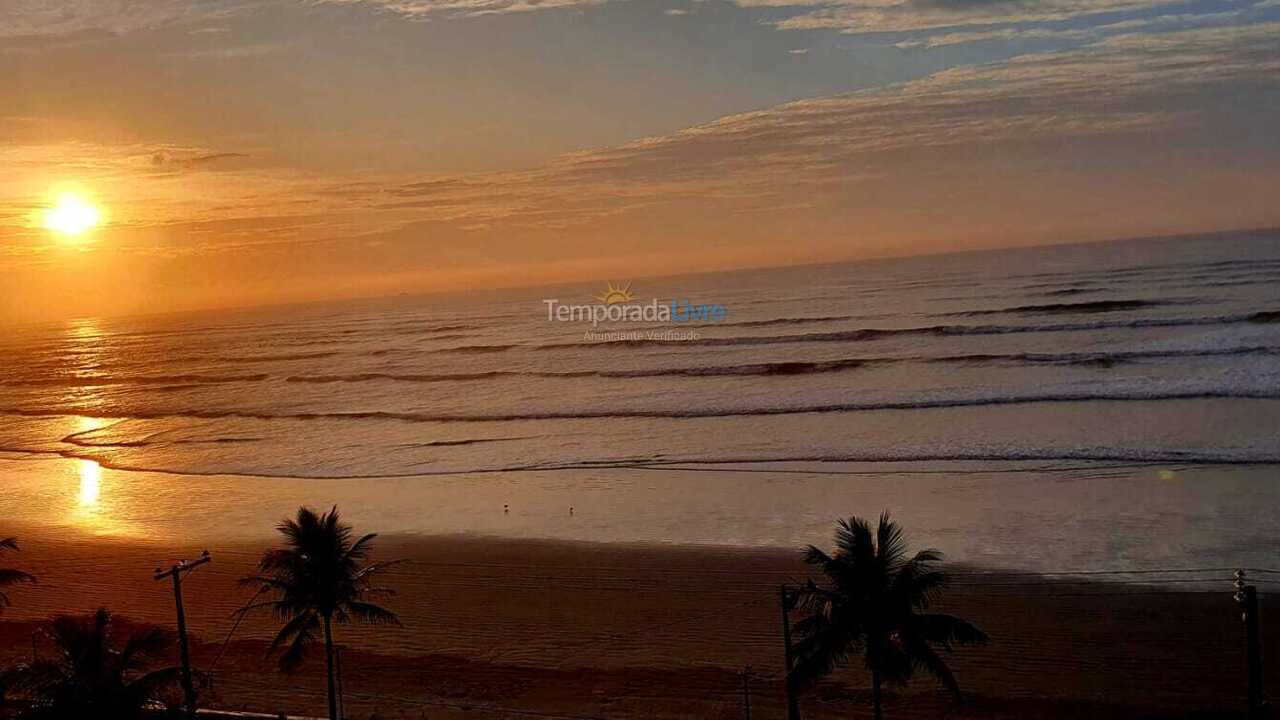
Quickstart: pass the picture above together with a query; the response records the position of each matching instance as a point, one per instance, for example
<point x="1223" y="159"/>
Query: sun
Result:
<point x="72" y="216"/>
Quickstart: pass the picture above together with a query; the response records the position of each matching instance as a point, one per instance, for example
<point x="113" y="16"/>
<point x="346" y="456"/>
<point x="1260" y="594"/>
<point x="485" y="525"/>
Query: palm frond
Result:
<point x="916" y="581"/>
<point x="372" y="614"/>
<point x="150" y="684"/>
<point x="853" y="540"/>
<point x="266" y="581"/>
<point x="146" y="644"/>
<point x="823" y="645"/>
<point x="13" y="577"/>
<point x="891" y="546"/>
<point x="924" y="656"/>
<point x="299" y="633"/>
<point x="34" y="678"/>
<point x="361" y="547"/>
<point x="947" y="630"/>
<point x="814" y="555"/>
<point x="374" y="568"/>
<point x="815" y="598"/>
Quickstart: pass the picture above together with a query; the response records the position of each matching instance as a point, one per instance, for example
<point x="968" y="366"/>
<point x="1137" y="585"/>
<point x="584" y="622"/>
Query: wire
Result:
<point x="240" y="616"/>
<point x="452" y="705"/>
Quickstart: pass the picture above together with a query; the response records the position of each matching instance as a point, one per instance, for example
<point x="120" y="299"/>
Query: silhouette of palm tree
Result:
<point x="90" y="677"/>
<point x="872" y="606"/>
<point x="319" y="578"/>
<point x="10" y="577"/>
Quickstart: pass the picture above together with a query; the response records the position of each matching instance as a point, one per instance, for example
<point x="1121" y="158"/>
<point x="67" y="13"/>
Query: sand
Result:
<point x="516" y="628"/>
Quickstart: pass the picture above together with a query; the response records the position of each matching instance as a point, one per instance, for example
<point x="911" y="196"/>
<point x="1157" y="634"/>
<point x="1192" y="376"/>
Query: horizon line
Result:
<point x="530" y="286"/>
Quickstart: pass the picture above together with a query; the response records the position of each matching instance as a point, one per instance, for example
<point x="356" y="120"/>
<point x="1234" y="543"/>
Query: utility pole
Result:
<point x="1247" y="596"/>
<point x="746" y="692"/>
<point x="176" y="572"/>
<point x="793" y="703"/>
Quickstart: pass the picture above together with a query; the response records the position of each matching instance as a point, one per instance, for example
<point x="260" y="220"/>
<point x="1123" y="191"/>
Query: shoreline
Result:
<point x="581" y="629"/>
<point x="1140" y="516"/>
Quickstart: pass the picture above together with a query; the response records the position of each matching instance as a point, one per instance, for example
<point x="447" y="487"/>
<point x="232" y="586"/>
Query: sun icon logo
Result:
<point x="614" y="295"/>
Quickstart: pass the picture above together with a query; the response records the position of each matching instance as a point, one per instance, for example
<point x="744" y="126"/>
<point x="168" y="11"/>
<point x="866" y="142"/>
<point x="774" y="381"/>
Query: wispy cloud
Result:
<point x="41" y="17"/>
<point x="188" y="159"/>
<point x="429" y="9"/>
<point x="869" y="16"/>
<point x="1093" y="33"/>
<point x="1121" y="85"/>
<point x="934" y="22"/>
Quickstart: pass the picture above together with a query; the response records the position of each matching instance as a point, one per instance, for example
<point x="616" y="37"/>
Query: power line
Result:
<point x="89" y="561"/>
<point x="1059" y="583"/>
<point x="452" y="705"/>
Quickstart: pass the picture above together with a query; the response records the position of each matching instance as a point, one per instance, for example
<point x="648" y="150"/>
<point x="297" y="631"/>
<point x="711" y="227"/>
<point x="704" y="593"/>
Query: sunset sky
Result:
<point x="254" y="151"/>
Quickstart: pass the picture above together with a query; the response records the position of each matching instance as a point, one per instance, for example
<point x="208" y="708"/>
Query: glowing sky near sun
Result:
<point x="250" y="151"/>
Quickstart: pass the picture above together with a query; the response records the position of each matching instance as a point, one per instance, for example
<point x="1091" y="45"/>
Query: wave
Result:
<point x="403" y="377"/>
<point x="440" y="328"/>
<point x="1063" y="292"/>
<point x="187" y="380"/>
<point x="765" y="369"/>
<point x="1141" y="456"/>
<point x="869" y="334"/>
<point x="782" y="321"/>
<point x="278" y="358"/>
<point x="149" y="442"/>
<point x="1103" y="359"/>
<point x="1095" y="306"/>
<point x="478" y="349"/>
<point x="798" y="367"/>
<point x="250" y="359"/>
<point x="773" y="368"/>
<point x="1114" y="459"/>
<point x="79" y="440"/>
<point x="709" y="412"/>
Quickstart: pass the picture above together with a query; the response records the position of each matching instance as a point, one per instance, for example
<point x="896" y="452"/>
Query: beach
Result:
<point x="497" y="628"/>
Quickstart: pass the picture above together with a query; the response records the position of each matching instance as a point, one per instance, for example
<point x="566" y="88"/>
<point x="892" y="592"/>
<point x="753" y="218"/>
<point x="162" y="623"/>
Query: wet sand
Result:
<point x="516" y="628"/>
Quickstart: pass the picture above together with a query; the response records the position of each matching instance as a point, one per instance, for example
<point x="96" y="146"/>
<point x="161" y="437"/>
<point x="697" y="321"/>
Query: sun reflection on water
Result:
<point x="92" y="507"/>
<point x="90" y="483"/>
<point x="87" y="357"/>
<point x="87" y="353"/>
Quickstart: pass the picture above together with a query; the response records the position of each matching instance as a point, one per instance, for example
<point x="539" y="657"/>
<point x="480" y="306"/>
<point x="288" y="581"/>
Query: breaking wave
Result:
<point x="704" y="412"/>
<point x="869" y="334"/>
<point x="799" y="367"/>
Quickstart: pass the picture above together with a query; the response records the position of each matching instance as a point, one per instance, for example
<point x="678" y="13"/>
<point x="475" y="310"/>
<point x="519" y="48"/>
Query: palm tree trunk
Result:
<point x="875" y="691"/>
<point x="328" y="661"/>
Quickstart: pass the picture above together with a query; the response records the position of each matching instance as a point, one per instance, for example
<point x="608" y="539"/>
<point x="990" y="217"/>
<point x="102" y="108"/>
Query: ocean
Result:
<point x="1110" y="403"/>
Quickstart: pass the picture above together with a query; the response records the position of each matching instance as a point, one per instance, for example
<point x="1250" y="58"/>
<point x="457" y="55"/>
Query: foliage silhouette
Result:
<point x="873" y="604"/>
<point x="319" y="578"/>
